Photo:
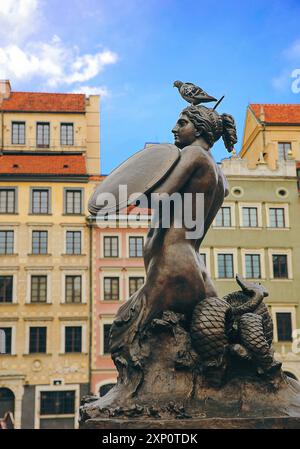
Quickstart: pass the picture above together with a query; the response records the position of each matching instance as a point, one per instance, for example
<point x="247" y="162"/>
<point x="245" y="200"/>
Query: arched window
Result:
<point x="105" y="389"/>
<point x="7" y="401"/>
<point x="287" y="373"/>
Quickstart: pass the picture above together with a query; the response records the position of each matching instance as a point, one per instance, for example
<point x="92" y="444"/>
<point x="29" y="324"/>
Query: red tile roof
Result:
<point x="277" y="113"/>
<point x="43" y="102"/>
<point x="65" y="164"/>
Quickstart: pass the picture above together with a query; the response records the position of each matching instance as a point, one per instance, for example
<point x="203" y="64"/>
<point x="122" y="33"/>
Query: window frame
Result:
<point x="251" y="251"/>
<point x="110" y="238"/>
<point x="18" y="122"/>
<point x="259" y="215"/>
<point x="77" y="326"/>
<point x="6" y="253"/>
<point x="110" y="277"/>
<point x="284" y="309"/>
<point x="232" y="251"/>
<point x="288" y="253"/>
<point x="286" y="271"/>
<point x="73" y="245"/>
<point x="73" y="277"/>
<point x="284" y="206"/>
<point x="39" y="242"/>
<point x="12" y="288"/>
<point x="103" y="338"/>
<point x="69" y="323"/>
<point x="67" y="124"/>
<point x="43" y="124"/>
<point x="49" y="202"/>
<point x="232" y="222"/>
<point x="135" y="278"/>
<point x="252" y="255"/>
<point x="39" y="344"/>
<point x="35" y="275"/>
<point x="15" y="190"/>
<point x="74" y="190"/>
<point x="136" y="236"/>
<point x="11" y="341"/>
<point x="285" y="153"/>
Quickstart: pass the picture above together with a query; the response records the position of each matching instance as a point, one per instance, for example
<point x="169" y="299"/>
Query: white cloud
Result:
<point x="92" y="90"/>
<point x="18" y="19"/>
<point x="53" y="63"/>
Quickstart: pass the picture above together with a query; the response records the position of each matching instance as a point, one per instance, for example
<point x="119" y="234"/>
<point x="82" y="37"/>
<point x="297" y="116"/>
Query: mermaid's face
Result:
<point x="184" y="132"/>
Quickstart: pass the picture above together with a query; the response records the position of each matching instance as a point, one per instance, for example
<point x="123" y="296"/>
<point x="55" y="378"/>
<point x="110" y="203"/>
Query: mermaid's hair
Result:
<point x="211" y="126"/>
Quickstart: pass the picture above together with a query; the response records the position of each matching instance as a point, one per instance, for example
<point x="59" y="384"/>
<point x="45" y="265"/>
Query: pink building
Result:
<point x="118" y="273"/>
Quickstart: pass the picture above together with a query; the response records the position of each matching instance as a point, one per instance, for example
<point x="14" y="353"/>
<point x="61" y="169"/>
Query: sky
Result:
<point x="131" y="51"/>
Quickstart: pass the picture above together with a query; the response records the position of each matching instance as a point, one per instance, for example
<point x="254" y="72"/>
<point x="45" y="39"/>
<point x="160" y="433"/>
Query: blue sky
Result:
<point x="131" y="51"/>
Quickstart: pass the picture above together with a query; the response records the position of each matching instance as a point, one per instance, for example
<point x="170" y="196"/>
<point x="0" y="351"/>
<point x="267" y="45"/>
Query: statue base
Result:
<point x="169" y="392"/>
<point x="202" y="423"/>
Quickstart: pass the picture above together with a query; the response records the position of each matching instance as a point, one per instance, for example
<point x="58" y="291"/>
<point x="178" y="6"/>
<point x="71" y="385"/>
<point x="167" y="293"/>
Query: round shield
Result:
<point x="140" y="173"/>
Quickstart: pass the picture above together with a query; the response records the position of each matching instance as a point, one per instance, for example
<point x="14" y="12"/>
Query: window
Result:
<point x="203" y="256"/>
<point x="105" y="389"/>
<point x="280" y="268"/>
<point x="111" y="247"/>
<point x="106" y="332"/>
<point x="284" y="326"/>
<point x="57" y="402"/>
<point x="6" y="289"/>
<point x="66" y="134"/>
<point x="7" y="334"/>
<point x="276" y="215"/>
<point x="7" y="201"/>
<point x="225" y="265"/>
<point x="38" y="288"/>
<point x="73" y="289"/>
<point x="18" y="133"/>
<point x="253" y="269"/>
<point x="43" y="135"/>
<point x="250" y="217"/>
<point x="37" y="339"/>
<point x="39" y="242"/>
<point x="6" y="242"/>
<point x="135" y="283"/>
<point x="223" y="217"/>
<point x="73" y="242"/>
<point x="40" y="201"/>
<point x="111" y="288"/>
<point x="73" y="339"/>
<point x="283" y="150"/>
<point x="73" y="202"/>
<point x="136" y="246"/>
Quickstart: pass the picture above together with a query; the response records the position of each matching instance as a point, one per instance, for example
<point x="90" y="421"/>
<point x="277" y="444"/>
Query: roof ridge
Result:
<point x="275" y="104"/>
<point x="44" y="93"/>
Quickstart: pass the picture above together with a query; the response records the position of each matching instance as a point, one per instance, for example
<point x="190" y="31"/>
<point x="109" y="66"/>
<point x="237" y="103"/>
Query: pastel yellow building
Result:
<point x="49" y="163"/>
<point x="271" y="133"/>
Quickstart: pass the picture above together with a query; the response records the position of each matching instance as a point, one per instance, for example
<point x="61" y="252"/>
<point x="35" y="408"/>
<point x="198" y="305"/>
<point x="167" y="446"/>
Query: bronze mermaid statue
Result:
<point x="175" y="338"/>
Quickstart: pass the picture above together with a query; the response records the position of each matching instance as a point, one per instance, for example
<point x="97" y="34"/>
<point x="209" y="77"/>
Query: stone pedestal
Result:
<point x="202" y="423"/>
<point x="172" y="394"/>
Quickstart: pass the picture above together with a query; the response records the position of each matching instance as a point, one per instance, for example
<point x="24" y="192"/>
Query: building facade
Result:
<point x="255" y="234"/>
<point x="49" y="163"/>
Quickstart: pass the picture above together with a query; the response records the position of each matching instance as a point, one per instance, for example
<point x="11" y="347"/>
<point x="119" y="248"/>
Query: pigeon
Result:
<point x="192" y="94"/>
